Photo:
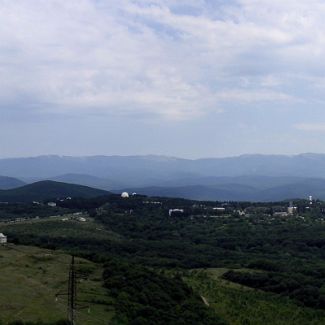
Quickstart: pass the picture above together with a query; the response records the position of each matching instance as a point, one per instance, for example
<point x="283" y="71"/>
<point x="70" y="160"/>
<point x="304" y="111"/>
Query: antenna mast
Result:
<point x="73" y="305"/>
<point x="72" y="293"/>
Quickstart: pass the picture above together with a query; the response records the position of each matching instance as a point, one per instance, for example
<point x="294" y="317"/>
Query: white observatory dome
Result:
<point x="125" y="195"/>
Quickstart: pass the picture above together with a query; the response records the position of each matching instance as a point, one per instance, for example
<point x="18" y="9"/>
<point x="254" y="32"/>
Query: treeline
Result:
<point x="161" y="241"/>
<point x="305" y="290"/>
<point x="28" y="210"/>
<point x="157" y="250"/>
<point x="19" y="322"/>
<point x="145" y="297"/>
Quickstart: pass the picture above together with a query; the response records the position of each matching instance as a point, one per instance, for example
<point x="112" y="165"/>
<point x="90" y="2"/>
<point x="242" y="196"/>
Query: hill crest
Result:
<point x="46" y="190"/>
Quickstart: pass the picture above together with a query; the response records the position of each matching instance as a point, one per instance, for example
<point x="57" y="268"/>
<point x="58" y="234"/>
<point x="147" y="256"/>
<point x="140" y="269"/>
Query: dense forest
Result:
<point x="147" y="297"/>
<point x="63" y="322"/>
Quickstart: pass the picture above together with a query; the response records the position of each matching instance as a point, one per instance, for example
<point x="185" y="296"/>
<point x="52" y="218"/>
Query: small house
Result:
<point x="3" y="239"/>
<point x="171" y="211"/>
<point x="280" y="214"/>
<point x="219" y="210"/>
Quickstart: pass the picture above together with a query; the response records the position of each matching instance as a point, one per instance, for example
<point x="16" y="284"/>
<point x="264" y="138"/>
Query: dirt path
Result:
<point x="205" y="301"/>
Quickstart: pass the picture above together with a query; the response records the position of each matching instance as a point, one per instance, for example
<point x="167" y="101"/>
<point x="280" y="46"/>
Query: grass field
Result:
<point x="31" y="277"/>
<point x="241" y="305"/>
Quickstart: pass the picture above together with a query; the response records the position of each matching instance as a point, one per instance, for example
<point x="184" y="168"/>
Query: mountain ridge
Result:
<point x="304" y="165"/>
<point x="254" y="177"/>
<point x="48" y="190"/>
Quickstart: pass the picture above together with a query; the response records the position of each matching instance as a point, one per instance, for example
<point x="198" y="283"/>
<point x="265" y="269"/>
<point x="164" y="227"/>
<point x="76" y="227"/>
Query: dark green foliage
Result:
<point x="266" y="265"/>
<point x="48" y="190"/>
<point x="305" y="290"/>
<point x="10" y="211"/>
<point x="146" y="297"/>
<point x="61" y="322"/>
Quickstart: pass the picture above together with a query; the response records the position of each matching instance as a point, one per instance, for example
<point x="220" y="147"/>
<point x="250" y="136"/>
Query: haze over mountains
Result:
<point x="7" y="183"/>
<point x="247" y="177"/>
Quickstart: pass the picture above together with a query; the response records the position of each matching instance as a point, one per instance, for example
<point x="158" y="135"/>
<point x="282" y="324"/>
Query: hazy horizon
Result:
<point x="162" y="155"/>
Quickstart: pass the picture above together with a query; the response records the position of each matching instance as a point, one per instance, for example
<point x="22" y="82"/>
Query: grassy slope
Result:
<point x="31" y="277"/>
<point x="241" y="305"/>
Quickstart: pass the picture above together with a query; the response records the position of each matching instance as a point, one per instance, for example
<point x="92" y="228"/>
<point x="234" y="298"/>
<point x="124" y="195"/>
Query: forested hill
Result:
<point x="47" y="190"/>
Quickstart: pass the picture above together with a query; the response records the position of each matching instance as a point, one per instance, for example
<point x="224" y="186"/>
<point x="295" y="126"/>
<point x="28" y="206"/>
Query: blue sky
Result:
<point x="189" y="78"/>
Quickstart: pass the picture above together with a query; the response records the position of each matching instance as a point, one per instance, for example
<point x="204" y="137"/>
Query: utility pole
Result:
<point x="73" y="304"/>
<point x="72" y="293"/>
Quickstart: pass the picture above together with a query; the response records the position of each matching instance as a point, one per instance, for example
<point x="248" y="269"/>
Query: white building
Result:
<point x="52" y="204"/>
<point x="280" y="214"/>
<point x="221" y="210"/>
<point x="175" y="210"/>
<point x="125" y="195"/>
<point x="3" y="239"/>
<point x="292" y="210"/>
<point x="241" y="213"/>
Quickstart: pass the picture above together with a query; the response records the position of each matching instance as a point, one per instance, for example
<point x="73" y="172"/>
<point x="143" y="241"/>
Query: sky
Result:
<point x="187" y="78"/>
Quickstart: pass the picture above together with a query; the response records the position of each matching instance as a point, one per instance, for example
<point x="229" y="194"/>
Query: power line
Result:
<point x="72" y="304"/>
<point x="72" y="293"/>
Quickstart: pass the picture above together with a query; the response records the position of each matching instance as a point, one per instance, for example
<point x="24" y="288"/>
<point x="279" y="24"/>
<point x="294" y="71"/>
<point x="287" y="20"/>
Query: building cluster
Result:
<point x="248" y="209"/>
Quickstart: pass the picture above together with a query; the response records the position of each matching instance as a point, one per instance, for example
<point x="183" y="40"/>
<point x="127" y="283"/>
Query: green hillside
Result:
<point x="31" y="277"/>
<point x="253" y="269"/>
<point x="240" y="305"/>
<point x="47" y="190"/>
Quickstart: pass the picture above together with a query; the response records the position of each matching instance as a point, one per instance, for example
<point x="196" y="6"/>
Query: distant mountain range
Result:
<point x="152" y="168"/>
<point x="47" y="190"/>
<point x="299" y="189"/>
<point x="247" y="177"/>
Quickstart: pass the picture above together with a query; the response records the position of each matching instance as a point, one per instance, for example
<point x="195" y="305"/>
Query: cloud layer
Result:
<point x="171" y="59"/>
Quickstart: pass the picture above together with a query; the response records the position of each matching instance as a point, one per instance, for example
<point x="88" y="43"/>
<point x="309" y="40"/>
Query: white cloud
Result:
<point x="154" y="57"/>
<point x="311" y="127"/>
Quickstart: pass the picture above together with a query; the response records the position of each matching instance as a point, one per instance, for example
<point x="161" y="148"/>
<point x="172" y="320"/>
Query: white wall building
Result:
<point x="175" y="210"/>
<point x="3" y="239"/>
<point x="292" y="210"/>
<point x="221" y="210"/>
